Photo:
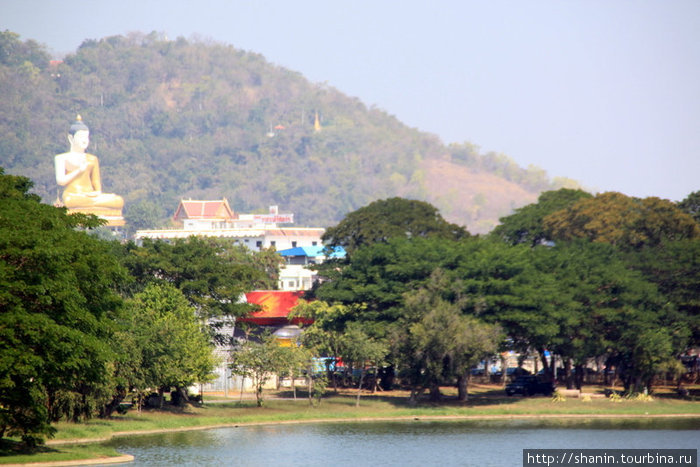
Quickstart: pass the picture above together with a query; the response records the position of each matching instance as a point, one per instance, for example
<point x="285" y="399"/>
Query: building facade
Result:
<point x="215" y="218"/>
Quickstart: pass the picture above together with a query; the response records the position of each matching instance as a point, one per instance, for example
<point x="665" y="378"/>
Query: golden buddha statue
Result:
<point x="79" y="173"/>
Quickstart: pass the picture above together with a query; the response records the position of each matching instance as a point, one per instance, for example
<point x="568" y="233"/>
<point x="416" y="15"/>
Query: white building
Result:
<point x="215" y="218"/>
<point x="296" y="274"/>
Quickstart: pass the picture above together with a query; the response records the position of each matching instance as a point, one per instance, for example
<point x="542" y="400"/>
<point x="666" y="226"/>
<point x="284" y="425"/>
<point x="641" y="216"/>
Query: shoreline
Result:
<point x="126" y="458"/>
<point x="536" y="410"/>
<point x="400" y="418"/>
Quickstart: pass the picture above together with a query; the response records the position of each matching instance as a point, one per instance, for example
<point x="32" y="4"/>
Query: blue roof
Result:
<point x="313" y="251"/>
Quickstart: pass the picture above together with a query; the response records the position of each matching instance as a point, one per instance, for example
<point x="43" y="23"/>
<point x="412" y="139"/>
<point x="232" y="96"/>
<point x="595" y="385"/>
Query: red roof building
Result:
<point x="204" y="213"/>
<point x="275" y="307"/>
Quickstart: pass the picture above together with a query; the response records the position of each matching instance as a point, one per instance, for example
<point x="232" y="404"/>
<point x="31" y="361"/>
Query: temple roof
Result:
<point x="204" y="209"/>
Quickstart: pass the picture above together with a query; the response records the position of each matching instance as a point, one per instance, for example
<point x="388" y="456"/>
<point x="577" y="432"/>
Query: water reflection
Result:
<point x="416" y="443"/>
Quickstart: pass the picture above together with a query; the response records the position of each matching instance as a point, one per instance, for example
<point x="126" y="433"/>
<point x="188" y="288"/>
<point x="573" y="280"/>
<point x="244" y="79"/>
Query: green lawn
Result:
<point x="485" y="401"/>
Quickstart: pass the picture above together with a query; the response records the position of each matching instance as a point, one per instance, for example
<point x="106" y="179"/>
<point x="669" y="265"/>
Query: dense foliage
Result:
<point x="607" y="279"/>
<point x="211" y="273"/>
<point x="384" y="219"/>
<point x="172" y="119"/>
<point x="85" y="322"/>
<point x="58" y="299"/>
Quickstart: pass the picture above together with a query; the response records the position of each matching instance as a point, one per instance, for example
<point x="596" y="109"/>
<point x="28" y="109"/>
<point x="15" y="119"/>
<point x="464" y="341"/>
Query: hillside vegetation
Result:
<point x="174" y="119"/>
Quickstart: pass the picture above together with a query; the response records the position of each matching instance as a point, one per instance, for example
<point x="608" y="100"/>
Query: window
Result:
<point x="314" y="243"/>
<point x="294" y="244"/>
<point x="272" y="243"/>
<point x="258" y="244"/>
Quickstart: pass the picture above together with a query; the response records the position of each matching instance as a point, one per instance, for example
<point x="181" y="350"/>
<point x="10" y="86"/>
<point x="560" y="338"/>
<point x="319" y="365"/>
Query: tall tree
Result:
<point x="212" y="273"/>
<point x="391" y="218"/>
<point x="259" y="359"/>
<point x="627" y="222"/>
<point x="58" y="301"/>
<point x="691" y="205"/>
<point x="675" y="268"/>
<point x="378" y="275"/>
<point x="360" y="351"/>
<point x="442" y="344"/>
<point x="526" y="224"/>
<point x="172" y="348"/>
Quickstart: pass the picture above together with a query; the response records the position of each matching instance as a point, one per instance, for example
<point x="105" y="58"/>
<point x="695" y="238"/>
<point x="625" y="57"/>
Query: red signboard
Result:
<point x="274" y="218"/>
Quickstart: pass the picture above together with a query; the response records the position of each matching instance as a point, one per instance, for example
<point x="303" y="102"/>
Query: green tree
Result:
<point x="324" y="335"/>
<point x="442" y="344"/>
<point x="627" y="222"/>
<point x="15" y="52"/>
<point x="391" y="218"/>
<point x="377" y="276"/>
<point x="526" y="224"/>
<point x="172" y="348"/>
<point x="212" y="273"/>
<point x="675" y="268"/>
<point x="691" y="205"/>
<point x="58" y="300"/>
<point x="500" y="284"/>
<point x="144" y="214"/>
<point x="260" y="360"/>
<point x="359" y="351"/>
<point x="295" y="361"/>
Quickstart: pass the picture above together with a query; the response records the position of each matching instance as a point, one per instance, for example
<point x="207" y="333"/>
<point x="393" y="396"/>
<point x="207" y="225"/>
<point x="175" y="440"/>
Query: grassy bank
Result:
<point x="485" y="402"/>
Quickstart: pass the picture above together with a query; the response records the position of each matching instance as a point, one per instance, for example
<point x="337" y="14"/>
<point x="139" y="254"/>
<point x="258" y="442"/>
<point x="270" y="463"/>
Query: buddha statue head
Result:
<point x="78" y="135"/>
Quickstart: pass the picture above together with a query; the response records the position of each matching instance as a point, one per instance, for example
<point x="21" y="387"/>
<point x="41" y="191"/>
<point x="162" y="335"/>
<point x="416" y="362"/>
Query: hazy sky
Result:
<point x="603" y="91"/>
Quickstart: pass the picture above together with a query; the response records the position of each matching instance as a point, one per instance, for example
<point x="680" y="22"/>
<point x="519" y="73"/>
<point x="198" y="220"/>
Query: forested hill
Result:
<point x="178" y="119"/>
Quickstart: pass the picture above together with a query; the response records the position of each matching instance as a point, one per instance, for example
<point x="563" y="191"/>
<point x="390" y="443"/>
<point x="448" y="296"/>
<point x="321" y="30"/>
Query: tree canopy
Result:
<point x="526" y="226"/>
<point x="58" y="296"/>
<point x="211" y="273"/>
<point x="391" y="218"/>
<point x="172" y="347"/>
<point x="691" y="205"/>
<point x="627" y="222"/>
<point x="613" y="295"/>
<point x="78" y="332"/>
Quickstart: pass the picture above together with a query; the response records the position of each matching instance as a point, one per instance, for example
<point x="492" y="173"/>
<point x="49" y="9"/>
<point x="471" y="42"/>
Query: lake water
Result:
<point x="414" y="443"/>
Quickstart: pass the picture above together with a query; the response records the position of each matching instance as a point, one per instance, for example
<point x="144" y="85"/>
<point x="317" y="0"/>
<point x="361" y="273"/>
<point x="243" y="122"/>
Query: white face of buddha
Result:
<point x="79" y="141"/>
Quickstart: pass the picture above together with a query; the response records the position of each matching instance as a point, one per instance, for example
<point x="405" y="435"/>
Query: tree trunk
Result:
<point x="435" y="392"/>
<point x="546" y="367"/>
<point x="504" y="370"/>
<point x="333" y="374"/>
<point x="114" y="404"/>
<point x="179" y="397"/>
<point x="161" y="392"/>
<point x="462" y="387"/>
<point x="240" y="399"/>
<point x="387" y="376"/>
<point x="567" y="374"/>
<point x="578" y="377"/>
<point x="359" y="387"/>
<point x="415" y="395"/>
<point x="309" y="384"/>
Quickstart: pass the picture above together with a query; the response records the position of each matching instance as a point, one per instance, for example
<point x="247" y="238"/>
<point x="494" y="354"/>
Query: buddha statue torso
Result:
<point x="79" y="172"/>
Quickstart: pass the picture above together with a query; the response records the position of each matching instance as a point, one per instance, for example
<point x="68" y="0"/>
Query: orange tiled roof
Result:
<point x="204" y="209"/>
<point x="275" y="306"/>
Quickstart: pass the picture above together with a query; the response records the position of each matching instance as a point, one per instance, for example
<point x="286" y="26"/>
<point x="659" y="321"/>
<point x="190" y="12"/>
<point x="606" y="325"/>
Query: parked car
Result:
<point x="530" y="385"/>
<point x="512" y="372"/>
